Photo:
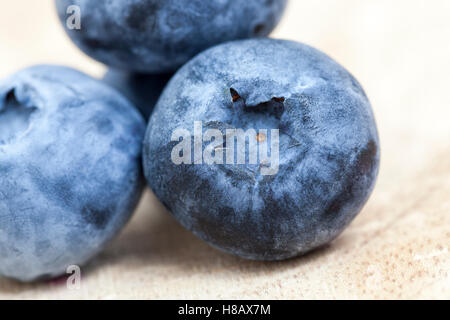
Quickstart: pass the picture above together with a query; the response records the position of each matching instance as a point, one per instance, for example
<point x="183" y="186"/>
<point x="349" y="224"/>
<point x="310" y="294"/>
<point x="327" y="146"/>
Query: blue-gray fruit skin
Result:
<point x="140" y="88"/>
<point x="159" y="36"/>
<point x="70" y="168"/>
<point x="329" y="148"/>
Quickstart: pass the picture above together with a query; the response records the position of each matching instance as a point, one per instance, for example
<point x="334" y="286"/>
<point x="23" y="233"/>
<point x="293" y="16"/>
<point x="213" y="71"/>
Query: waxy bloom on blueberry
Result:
<point x="328" y="148"/>
<point x="70" y="169"/>
<point x="159" y="36"/>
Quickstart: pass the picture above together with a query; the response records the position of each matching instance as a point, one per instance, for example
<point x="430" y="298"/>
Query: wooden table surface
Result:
<point x="398" y="247"/>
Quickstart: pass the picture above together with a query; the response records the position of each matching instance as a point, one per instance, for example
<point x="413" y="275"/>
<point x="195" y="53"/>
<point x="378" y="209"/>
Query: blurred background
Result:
<point x="399" y="245"/>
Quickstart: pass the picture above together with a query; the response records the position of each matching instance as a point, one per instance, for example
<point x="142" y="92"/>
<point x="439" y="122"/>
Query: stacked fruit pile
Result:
<point x="264" y="148"/>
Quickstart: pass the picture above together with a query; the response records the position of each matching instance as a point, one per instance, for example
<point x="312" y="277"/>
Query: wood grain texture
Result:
<point x="398" y="247"/>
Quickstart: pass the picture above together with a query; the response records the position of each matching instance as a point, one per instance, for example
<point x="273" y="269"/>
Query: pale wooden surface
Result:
<point x="397" y="248"/>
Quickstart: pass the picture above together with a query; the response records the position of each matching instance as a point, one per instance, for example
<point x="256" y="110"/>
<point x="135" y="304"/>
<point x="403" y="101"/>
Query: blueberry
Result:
<point x="158" y="36"/>
<point x="320" y="173"/>
<point x="141" y="89"/>
<point x="70" y="170"/>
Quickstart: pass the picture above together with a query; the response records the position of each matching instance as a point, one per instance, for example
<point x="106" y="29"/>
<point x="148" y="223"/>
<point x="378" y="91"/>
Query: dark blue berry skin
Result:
<point x="329" y="148"/>
<point x="141" y="89"/>
<point x="70" y="168"/>
<point x="158" y="36"/>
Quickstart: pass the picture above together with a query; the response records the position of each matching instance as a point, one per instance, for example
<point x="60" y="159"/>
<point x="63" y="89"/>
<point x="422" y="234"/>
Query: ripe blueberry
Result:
<point x="328" y="148"/>
<point x="158" y="36"/>
<point x="70" y="173"/>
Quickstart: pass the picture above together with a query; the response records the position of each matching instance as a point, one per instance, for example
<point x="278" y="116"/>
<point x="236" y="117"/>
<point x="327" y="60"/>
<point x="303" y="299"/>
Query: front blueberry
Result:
<point x="308" y="158"/>
<point x="140" y="88"/>
<point x="70" y="170"/>
<point x="159" y="36"/>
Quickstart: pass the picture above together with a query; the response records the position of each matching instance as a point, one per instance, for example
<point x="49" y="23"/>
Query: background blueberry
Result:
<point x="140" y="88"/>
<point x="160" y="35"/>
<point x="329" y="148"/>
<point x="70" y="170"/>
